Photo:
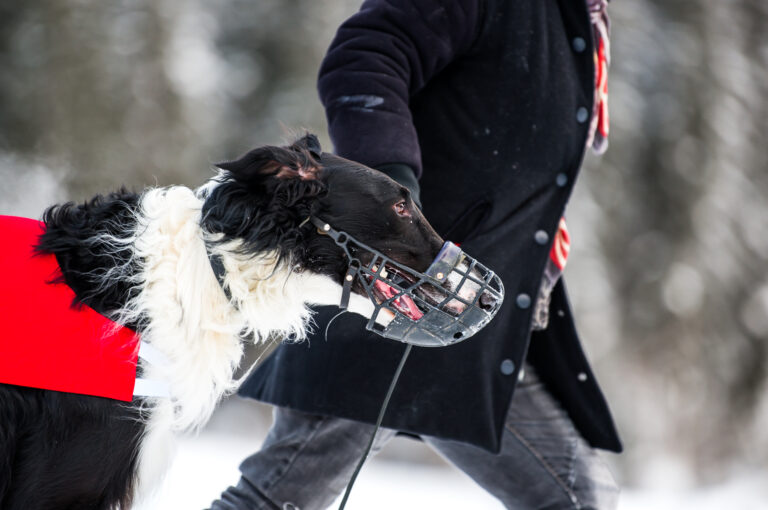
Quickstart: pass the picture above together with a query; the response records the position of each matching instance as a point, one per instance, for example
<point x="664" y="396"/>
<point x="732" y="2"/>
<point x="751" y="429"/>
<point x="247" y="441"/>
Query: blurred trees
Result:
<point x="670" y="227"/>
<point x="84" y="84"/>
<point x="681" y="228"/>
<point x="145" y="91"/>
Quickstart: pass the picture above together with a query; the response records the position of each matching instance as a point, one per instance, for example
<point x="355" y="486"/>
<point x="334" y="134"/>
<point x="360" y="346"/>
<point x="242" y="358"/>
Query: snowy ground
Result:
<point x="207" y="463"/>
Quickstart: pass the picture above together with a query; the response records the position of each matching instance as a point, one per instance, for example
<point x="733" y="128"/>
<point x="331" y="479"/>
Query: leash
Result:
<point x="323" y="228"/>
<point x="377" y="426"/>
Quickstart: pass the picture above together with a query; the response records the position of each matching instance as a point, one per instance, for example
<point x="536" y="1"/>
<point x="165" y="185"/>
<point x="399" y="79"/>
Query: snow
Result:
<point x="207" y="463"/>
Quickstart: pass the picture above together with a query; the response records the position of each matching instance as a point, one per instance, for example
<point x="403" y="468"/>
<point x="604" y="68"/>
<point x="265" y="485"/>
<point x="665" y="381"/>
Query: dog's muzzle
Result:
<point x="454" y="299"/>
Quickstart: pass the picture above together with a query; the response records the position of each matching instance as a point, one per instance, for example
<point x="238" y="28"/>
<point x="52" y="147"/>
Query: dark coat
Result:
<point x="489" y="98"/>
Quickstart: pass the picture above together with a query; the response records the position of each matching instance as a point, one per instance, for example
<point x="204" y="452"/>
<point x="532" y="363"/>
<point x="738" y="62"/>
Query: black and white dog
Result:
<point x="143" y="260"/>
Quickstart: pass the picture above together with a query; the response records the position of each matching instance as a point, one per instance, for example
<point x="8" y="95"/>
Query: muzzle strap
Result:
<point x="324" y="228"/>
<point x="346" y="289"/>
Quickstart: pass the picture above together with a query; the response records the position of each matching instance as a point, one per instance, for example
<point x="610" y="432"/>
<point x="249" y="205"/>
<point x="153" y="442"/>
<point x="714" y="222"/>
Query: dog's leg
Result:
<point x="7" y="454"/>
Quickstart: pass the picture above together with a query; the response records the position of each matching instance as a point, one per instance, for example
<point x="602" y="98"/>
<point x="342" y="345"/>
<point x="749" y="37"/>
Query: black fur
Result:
<point x="263" y="211"/>
<point x="65" y="451"/>
<point x="268" y="212"/>
<point x="60" y="450"/>
<point x="72" y="233"/>
<point x="53" y="445"/>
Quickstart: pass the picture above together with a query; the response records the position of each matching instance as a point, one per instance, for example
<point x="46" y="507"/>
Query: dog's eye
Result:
<point x="401" y="208"/>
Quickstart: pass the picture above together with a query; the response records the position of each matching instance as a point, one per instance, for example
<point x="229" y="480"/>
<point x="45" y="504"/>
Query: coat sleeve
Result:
<point x="380" y="58"/>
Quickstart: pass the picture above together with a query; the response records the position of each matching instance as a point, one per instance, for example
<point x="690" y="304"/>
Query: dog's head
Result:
<point x="265" y="198"/>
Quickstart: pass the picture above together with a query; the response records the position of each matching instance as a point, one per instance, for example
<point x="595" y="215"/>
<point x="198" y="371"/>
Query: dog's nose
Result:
<point x="488" y="301"/>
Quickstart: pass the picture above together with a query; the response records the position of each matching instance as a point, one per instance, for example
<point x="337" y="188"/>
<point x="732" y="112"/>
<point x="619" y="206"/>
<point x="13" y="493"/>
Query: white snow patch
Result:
<point x="207" y="464"/>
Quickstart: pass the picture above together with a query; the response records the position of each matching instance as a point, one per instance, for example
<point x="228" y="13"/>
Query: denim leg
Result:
<point x="304" y="464"/>
<point x="544" y="463"/>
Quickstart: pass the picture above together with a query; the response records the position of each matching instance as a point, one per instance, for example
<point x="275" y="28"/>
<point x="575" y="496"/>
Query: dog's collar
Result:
<point x="217" y="265"/>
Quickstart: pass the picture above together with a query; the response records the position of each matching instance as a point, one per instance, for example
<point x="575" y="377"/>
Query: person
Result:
<point x="483" y="109"/>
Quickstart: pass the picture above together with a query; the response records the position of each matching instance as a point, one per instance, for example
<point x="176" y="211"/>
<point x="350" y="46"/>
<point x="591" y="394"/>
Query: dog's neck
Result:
<point x="184" y="312"/>
<point x="188" y="316"/>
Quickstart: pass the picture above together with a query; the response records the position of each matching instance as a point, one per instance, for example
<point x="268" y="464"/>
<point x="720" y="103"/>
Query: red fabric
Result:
<point x="601" y="83"/>
<point x="561" y="246"/>
<point x="45" y="342"/>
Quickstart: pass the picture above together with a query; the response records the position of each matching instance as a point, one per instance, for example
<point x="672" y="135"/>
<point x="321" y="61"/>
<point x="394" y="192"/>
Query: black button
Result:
<point x="579" y="44"/>
<point x="582" y="115"/>
<point x="507" y="367"/>
<point x="541" y="237"/>
<point x="523" y="301"/>
<point x="561" y="179"/>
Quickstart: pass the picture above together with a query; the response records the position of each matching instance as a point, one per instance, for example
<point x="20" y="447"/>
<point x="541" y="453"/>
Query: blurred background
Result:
<point x="669" y="272"/>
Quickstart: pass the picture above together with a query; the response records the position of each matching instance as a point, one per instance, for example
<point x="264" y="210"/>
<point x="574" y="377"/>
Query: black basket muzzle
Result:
<point x="454" y="299"/>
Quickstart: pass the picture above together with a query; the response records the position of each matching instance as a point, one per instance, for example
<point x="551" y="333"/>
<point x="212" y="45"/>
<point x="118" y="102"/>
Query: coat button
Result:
<point x="579" y="44"/>
<point x="507" y="367"/>
<point x="541" y="237"/>
<point x="561" y="179"/>
<point x="582" y="115"/>
<point x="523" y="301"/>
<point x="582" y="376"/>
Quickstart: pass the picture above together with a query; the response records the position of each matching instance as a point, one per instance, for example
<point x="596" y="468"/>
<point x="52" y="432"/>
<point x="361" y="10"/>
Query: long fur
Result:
<point x="143" y="261"/>
<point x="186" y="315"/>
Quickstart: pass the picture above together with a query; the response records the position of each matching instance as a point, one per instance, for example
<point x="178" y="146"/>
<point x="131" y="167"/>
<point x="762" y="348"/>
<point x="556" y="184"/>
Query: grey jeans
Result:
<point x="307" y="460"/>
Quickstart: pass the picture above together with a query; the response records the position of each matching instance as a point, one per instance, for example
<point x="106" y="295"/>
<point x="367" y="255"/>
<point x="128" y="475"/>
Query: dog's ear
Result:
<point x="297" y="161"/>
<point x="266" y="196"/>
<point x="310" y="143"/>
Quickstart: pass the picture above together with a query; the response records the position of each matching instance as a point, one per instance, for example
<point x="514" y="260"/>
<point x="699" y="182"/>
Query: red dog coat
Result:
<point x="47" y="343"/>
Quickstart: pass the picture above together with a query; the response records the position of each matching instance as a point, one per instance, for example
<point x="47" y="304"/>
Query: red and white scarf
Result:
<point x="601" y="29"/>
<point x="597" y="138"/>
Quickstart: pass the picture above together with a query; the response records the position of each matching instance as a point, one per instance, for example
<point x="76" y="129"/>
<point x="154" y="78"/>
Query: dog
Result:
<point x="195" y="274"/>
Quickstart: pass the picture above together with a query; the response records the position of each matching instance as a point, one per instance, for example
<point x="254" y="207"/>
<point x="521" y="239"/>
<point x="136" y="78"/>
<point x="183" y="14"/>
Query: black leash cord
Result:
<point x="376" y="428"/>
